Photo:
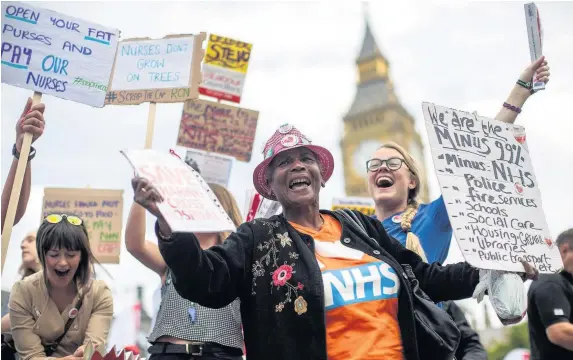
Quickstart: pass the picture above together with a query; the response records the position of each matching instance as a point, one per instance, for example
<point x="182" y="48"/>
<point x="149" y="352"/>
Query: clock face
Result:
<point x="363" y="153"/>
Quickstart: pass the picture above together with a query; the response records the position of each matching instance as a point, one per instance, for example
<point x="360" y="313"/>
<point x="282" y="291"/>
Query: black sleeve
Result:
<point x="213" y="277"/>
<point x="440" y="283"/>
<point x="470" y="347"/>
<point x="551" y="303"/>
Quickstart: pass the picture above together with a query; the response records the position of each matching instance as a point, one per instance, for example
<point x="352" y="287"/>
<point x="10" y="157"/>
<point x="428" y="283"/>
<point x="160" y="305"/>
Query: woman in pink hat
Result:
<point x="313" y="284"/>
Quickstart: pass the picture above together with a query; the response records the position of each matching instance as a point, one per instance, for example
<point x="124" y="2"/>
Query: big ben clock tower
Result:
<point x="375" y="117"/>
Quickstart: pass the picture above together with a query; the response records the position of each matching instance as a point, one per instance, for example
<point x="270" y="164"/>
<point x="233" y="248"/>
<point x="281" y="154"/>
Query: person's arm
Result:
<point x="143" y="250"/>
<point x="469" y="348"/>
<point x="31" y="121"/>
<point x="6" y="324"/>
<point x="214" y="277"/>
<point x="554" y="312"/>
<point x="440" y="283"/>
<point x="101" y="316"/>
<point x="519" y="94"/>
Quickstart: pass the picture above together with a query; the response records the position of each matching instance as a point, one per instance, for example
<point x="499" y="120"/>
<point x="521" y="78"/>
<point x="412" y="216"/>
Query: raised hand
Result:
<point x="146" y="195"/>
<point x="539" y="68"/>
<point x="31" y="121"/>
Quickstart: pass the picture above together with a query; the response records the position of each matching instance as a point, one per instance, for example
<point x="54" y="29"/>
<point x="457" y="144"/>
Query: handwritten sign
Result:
<point x="225" y="68"/>
<point x="56" y="54"/>
<point x="189" y="205"/>
<point x="218" y="128"/>
<point x="163" y="70"/>
<point x="213" y="168"/>
<point x="364" y="205"/>
<point x="491" y="193"/>
<point x="101" y="211"/>
<point x="535" y="38"/>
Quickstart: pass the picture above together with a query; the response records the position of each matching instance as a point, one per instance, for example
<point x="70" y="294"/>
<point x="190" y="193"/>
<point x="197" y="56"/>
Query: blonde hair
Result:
<point x="412" y="241"/>
<point x="228" y="203"/>
<point x="24" y="270"/>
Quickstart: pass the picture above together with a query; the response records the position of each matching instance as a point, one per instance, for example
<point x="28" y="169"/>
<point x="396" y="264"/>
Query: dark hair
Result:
<point x="71" y="237"/>
<point x="565" y="237"/>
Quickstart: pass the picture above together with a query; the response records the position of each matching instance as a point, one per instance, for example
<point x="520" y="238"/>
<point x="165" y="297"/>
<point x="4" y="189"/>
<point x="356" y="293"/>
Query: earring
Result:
<point x="323" y="184"/>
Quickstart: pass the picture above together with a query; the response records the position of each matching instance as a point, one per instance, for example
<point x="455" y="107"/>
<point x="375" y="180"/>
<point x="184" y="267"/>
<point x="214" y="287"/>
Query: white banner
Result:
<point x="491" y="193"/>
<point x="56" y="54"/>
<point x="153" y="64"/>
<point x="214" y="168"/>
<point x="189" y="204"/>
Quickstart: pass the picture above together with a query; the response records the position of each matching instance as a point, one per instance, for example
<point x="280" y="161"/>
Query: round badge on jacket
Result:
<point x="73" y="313"/>
<point x="397" y="219"/>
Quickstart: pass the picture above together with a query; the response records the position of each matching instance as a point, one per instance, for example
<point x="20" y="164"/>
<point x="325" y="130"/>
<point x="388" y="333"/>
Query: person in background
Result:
<point x="31" y="121"/>
<point x="63" y="299"/>
<point x="550" y="308"/>
<point x="394" y="182"/>
<point x="183" y="327"/>
<point x="295" y="272"/>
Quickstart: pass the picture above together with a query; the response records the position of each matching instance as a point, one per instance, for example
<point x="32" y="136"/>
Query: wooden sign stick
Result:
<point x="150" y="125"/>
<point x="17" y="187"/>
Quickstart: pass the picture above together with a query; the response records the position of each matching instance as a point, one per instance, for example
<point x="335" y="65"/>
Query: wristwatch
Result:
<point x="16" y="153"/>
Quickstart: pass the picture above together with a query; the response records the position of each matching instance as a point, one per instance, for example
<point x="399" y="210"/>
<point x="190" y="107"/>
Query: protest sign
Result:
<point x="163" y="70"/>
<point x="535" y="37"/>
<point x="490" y="190"/>
<point x="101" y="212"/>
<point x="225" y="68"/>
<point x="213" y="168"/>
<point x="364" y="205"/>
<point x="218" y="128"/>
<point x="259" y="207"/>
<point x="56" y="54"/>
<point x="189" y="204"/>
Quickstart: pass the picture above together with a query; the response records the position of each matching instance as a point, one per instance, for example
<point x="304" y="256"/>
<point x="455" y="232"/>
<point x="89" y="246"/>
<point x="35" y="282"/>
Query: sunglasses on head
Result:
<point x="57" y="218"/>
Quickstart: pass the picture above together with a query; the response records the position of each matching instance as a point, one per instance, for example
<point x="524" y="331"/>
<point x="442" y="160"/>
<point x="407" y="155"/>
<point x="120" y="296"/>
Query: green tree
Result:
<point x="515" y="337"/>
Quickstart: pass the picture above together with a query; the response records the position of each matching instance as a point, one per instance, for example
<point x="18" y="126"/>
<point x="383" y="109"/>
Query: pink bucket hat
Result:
<point x="285" y="138"/>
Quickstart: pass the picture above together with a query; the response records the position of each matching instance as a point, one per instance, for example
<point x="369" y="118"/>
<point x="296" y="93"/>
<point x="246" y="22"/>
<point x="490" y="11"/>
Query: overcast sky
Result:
<point x="302" y="71"/>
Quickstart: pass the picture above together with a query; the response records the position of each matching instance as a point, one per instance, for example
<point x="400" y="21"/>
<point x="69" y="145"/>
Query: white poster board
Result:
<point x="56" y="54"/>
<point x="490" y="190"/>
<point x="535" y="38"/>
<point x="189" y="204"/>
<point x="153" y="64"/>
<point x="214" y="168"/>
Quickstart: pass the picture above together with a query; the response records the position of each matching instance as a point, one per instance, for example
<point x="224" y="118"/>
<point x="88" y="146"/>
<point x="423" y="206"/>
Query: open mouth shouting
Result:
<point x="62" y="273"/>
<point x="299" y="183"/>
<point x="384" y="182"/>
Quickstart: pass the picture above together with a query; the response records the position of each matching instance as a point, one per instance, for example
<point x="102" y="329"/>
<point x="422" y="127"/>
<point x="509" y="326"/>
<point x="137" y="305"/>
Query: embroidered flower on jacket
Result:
<point x="300" y="286"/>
<point x="285" y="239"/>
<point x="258" y="269"/>
<point x="293" y="255"/>
<point x="282" y="275"/>
<point x="300" y="305"/>
<point x="279" y="307"/>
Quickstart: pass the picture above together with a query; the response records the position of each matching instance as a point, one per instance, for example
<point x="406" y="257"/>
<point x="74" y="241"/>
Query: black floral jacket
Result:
<point x="272" y="268"/>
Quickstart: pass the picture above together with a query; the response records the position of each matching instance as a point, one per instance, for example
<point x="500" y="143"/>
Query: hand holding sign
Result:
<point x="31" y="121"/>
<point x="146" y="195"/>
<point x="538" y="70"/>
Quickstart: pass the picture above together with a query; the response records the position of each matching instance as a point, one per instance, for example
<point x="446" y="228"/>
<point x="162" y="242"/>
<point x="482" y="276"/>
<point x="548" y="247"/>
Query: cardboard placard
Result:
<point x="213" y="168"/>
<point x="225" y="68"/>
<point x="56" y="54"/>
<point x="364" y="205"/>
<point x="490" y="190"/>
<point x="163" y="70"/>
<point x="189" y="204"/>
<point x="101" y="211"/>
<point x="218" y="128"/>
<point x="535" y="38"/>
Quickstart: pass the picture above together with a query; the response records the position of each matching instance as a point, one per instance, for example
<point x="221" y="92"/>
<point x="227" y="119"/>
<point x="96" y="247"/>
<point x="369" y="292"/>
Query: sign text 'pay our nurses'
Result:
<point x="56" y="54"/>
<point x="161" y="70"/>
<point x="491" y="193"/>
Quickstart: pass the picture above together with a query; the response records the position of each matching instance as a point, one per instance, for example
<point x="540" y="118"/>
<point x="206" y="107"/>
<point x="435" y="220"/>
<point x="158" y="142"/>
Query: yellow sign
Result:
<point x="364" y="205"/>
<point x="368" y="211"/>
<point x="228" y="53"/>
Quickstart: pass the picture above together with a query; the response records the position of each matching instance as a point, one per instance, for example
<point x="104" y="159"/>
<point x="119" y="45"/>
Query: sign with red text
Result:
<point x="56" y="54"/>
<point x="163" y="70"/>
<point x="101" y="212"/>
<point x="218" y="128"/>
<point x="490" y="190"/>
<point x="225" y="68"/>
<point x="535" y="38"/>
<point x="189" y="204"/>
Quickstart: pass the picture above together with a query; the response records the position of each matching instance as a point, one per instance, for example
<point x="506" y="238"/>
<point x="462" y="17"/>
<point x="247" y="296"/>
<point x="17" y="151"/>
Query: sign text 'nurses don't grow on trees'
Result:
<point x="56" y="54"/>
<point x="490" y="190"/>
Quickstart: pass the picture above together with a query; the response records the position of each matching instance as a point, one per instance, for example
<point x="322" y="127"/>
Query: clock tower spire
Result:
<point x="374" y="117"/>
